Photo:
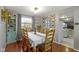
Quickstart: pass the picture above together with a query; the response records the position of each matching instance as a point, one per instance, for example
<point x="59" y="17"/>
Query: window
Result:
<point x="26" y="22"/>
<point x="48" y="23"/>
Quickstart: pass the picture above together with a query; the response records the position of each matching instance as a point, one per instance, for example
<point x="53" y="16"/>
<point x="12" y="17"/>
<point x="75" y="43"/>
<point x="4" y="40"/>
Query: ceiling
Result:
<point x="26" y="10"/>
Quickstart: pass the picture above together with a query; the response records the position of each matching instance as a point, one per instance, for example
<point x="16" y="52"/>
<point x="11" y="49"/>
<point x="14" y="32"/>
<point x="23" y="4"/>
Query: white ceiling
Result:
<point x="25" y="10"/>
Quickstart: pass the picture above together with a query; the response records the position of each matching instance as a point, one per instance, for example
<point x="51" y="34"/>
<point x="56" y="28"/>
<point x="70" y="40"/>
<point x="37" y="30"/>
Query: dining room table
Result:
<point x="36" y="38"/>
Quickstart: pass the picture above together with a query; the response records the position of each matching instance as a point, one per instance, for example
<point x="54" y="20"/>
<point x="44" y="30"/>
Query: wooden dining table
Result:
<point x="36" y="38"/>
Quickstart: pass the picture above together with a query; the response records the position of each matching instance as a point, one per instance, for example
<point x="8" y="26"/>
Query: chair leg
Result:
<point x="24" y="49"/>
<point x="51" y="47"/>
<point x="28" y="49"/>
<point x="37" y="49"/>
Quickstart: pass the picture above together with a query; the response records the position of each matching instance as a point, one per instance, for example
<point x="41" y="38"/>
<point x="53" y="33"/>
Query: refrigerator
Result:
<point x="2" y="36"/>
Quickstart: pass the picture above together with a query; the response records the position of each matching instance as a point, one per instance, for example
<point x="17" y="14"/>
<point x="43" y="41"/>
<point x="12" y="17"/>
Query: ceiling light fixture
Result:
<point x="36" y="9"/>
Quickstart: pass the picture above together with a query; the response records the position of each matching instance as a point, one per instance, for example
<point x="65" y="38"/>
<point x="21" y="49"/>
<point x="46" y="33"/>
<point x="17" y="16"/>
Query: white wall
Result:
<point x="57" y="39"/>
<point x="2" y="36"/>
<point x="76" y="28"/>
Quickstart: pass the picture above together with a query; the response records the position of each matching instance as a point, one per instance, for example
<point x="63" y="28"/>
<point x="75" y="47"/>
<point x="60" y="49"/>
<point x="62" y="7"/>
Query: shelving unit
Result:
<point x="45" y="23"/>
<point x="10" y="21"/>
<point x="48" y="22"/>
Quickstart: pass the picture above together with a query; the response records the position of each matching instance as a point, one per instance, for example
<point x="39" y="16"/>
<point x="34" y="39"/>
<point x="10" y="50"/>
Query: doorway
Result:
<point x="68" y="31"/>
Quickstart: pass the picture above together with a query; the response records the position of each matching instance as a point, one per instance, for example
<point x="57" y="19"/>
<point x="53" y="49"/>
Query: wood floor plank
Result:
<point x="14" y="47"/>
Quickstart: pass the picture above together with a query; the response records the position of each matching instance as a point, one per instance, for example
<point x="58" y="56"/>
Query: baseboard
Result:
<point x="2" y="49"/>
<point x="11" y="42"/>
<point x="65" y="45"/>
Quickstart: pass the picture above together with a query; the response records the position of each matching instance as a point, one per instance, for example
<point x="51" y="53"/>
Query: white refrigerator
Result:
<point x="2" y="36"/>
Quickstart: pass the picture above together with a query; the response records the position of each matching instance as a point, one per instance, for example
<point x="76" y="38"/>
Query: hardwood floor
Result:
<point x="15" y="47"/>
<point x="61" y="48"/>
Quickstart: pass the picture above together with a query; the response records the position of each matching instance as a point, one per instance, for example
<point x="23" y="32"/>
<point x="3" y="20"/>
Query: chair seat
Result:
<point x="41" y="48"/>
<point x="41" y="45"/>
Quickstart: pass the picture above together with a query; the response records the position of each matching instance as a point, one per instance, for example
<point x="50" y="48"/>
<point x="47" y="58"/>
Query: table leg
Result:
<point x="34" y="49"/>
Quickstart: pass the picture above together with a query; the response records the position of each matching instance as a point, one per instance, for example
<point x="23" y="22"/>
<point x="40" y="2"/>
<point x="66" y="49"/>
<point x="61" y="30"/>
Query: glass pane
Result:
<point x="26" y="20"/>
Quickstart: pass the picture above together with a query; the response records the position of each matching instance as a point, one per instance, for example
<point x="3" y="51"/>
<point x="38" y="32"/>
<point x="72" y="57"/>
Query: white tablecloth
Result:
<point x="36" y="39"/>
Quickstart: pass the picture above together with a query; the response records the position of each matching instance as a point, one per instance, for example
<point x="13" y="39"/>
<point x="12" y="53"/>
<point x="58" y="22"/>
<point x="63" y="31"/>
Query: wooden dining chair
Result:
<point x="26" y="46"/>
<point x="47" y="45"/>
